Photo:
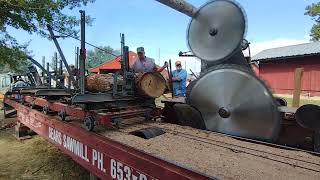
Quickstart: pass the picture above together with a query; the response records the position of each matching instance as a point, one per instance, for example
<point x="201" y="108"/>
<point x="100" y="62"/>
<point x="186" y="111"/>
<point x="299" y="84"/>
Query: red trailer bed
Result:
<point x="180" y="153"/>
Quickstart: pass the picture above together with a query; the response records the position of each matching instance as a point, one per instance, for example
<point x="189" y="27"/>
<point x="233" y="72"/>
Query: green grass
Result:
<point x="35" y="158"/>
<point x="302" y="101"/>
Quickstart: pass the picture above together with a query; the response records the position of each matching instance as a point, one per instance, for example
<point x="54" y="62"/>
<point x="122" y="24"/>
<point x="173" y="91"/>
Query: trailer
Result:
<point x="178" y="153"/>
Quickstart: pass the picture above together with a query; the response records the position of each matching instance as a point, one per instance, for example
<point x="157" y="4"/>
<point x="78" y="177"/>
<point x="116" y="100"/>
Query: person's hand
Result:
<point x="165" y="64"/>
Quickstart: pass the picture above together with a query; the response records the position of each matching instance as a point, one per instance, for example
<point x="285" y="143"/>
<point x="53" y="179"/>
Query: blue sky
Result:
<point x="152" y="25"/>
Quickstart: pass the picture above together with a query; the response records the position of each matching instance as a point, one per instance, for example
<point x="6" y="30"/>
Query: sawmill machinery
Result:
<point x="227" y="96"/>
<point x="130" y="95"/>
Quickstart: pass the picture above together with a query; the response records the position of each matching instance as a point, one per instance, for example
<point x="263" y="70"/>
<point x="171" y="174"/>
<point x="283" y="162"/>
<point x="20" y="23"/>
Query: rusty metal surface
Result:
<point x="52" y="92"/>
<point x="102" y="117"/>
<point x="105" y="158"/>
<point x="293" y="135"/>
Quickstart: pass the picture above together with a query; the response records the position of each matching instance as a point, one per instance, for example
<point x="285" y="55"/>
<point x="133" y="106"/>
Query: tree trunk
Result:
<point x="150" y="84"/>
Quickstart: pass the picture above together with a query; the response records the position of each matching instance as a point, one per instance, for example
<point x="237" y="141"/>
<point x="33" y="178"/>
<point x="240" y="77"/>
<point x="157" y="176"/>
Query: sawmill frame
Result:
<point x="101" y="156"/>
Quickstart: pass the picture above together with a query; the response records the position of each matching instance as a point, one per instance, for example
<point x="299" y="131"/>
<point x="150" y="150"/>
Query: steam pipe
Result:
<point x="181" y="6"/>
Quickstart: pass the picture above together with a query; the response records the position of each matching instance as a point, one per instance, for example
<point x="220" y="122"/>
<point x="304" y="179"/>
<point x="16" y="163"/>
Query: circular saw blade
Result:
<point x="216" y="30"/>
<point x="233" y="101"/>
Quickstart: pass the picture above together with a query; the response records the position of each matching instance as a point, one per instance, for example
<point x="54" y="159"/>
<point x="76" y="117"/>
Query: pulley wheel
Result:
<point x="233" y="101"/>
<point x="308" y="115"/>
<point x="216" y="30"/>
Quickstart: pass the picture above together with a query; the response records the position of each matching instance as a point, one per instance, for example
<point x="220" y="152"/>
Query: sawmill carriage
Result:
<point x="226" y="98"/>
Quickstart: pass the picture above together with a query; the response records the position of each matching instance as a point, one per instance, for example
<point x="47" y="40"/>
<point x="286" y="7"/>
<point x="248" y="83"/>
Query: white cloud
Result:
<point x="257" y="47"/>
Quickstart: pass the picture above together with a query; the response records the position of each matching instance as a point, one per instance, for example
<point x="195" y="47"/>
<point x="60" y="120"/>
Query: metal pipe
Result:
<point x="122" y="51"/>
<point x="43" y="65"/>
<point x="42" y="68"/>
<point x="59" y="50"/>
<point x="61" y="77"/>
<point x="181" y="6"/>
<point x="55" y="64"/>
<point x="170" y="77"/>
<point x="77" y="62"/>
<point x="82" y="52"/>
<point x="49" y="75"/>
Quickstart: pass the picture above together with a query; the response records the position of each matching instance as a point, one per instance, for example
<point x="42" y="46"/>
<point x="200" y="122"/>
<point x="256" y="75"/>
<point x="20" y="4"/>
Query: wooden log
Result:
<point x="99" y="82"/>
<point x="150" y="84"/>
<point x="146" y="84"/>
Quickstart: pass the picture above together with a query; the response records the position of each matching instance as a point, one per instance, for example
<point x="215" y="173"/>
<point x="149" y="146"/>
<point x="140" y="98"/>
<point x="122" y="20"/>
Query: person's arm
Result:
<point x="162" y="68"/>
<point x="180" y="76"/>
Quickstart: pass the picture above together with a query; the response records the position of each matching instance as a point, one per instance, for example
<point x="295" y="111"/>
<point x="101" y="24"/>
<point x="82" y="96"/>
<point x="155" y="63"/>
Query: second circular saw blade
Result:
<point x="234" y="101"/>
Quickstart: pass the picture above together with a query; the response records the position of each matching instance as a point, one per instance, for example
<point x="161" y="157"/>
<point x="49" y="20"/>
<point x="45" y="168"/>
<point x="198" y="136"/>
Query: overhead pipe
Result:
<point x="181" y="6"/>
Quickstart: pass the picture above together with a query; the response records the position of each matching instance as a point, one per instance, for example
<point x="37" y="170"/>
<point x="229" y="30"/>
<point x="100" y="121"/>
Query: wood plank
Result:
<point x="297" y="87"/>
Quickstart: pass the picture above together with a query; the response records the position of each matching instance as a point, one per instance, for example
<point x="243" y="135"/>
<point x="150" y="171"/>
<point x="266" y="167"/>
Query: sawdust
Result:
<point x="217" y="156"/>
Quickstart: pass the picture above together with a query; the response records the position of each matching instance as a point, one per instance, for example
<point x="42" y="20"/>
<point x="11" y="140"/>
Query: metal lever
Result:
<point x="181" y="6"/>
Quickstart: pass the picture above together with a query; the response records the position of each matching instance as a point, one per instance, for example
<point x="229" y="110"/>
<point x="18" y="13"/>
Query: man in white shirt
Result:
<point x="145" y="64"/>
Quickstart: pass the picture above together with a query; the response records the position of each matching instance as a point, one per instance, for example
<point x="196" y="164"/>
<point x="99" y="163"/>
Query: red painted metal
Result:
<point x="113" y="64"/>
<point x="101" y="118"/>
<point x="279" y="74"/>
<point x="105" y="158"/>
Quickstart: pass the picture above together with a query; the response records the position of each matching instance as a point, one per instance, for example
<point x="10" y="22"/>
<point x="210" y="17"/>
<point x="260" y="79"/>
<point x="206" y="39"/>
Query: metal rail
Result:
<point x="104" y="157"/>
<point x="102" y="118"/>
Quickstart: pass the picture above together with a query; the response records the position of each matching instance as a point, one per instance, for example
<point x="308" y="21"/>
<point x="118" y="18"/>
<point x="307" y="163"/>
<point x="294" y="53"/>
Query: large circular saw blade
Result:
<point x="216" y="30"/>
<point x="233" y="101"/>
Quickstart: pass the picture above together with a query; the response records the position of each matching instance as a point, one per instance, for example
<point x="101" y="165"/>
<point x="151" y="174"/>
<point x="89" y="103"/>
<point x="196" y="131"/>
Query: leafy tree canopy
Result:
<point x="96" y="56"/>
<point x="32" y="17"/>
<point x="313" y="10"/>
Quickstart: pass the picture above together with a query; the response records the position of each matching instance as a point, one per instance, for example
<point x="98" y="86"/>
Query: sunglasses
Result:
<point x="178" y="65"/>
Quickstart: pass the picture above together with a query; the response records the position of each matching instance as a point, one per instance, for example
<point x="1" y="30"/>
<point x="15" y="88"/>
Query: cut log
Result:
<point x="150" y="84"/>
<point x="146" y="84"/>
<point x="99" y="82"/>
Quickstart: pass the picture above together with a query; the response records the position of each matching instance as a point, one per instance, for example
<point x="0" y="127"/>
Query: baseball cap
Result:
<point x="140" y="50"/>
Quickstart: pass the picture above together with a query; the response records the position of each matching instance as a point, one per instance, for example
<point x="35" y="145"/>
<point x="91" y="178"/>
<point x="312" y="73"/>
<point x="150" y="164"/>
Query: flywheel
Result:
<point x="232" y="100"/>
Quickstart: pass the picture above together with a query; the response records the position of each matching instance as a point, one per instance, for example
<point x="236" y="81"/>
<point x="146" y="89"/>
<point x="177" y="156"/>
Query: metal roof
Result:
<point x="307" y="49"/>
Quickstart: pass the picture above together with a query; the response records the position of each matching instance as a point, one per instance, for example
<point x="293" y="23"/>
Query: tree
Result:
<point x="33" y="17"/>
<point x="96" y="56"/>
<point x="313" y="10"/>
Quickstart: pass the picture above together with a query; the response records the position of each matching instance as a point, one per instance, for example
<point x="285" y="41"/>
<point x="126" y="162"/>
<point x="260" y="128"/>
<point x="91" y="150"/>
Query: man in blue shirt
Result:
<point x="179" y="77"/>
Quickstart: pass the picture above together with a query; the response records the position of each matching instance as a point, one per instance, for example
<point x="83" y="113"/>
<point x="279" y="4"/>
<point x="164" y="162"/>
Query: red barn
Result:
<point x="277" y="66"/>
<point x="112" y="65"/>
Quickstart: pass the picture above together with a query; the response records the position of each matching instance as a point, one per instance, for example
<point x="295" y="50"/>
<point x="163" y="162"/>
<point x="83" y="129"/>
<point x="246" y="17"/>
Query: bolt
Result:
<point x="213" y="31"/>
<point x="224" y="113"/>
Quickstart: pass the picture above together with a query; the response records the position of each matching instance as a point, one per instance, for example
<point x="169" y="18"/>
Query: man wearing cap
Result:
<point x="179" y="77"/>
<point x="145" y="64"/>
